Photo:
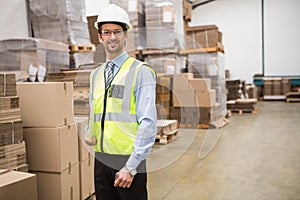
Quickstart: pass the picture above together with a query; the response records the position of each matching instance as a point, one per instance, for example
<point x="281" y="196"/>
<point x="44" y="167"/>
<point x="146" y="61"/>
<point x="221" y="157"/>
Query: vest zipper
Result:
<point x="102" y="120"/>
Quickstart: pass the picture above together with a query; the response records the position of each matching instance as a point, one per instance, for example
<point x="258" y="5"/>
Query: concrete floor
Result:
<point x="257" y="156"/>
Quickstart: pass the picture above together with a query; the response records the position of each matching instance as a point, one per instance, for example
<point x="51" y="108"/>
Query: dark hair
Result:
<point x="124" y="27"/>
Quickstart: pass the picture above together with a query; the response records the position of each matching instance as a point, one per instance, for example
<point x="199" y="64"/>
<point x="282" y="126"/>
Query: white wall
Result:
<point x="240" y="22"/>
<point x="13" y="20"/>
<point x="282" y="37"/>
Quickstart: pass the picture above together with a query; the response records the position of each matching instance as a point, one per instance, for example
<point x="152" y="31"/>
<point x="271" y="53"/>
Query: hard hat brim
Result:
<point x="98" y="24"/>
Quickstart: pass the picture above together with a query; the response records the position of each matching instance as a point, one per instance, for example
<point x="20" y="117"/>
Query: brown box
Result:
<point x="84" y="149"/>
<point x="59" y="186"/>
<point x="200" y="84"/>
<point x="18" y="54"/>
<point x="51" y="149"/>
<point x="187" y="10"/>
<point x="183" y="98"/>
<point x="286" y="86"/>
<point x="268" y="87"/>
<point x="87" y="177"/>
<point x="205" y="98"/>
<point x="18" y="185"/>
<point x="46" y="104"/>
<point x="277" y="87"/>
<point x="206" y="36"/>
<point x="92" y="30"/>
<point x="164" y="81"/>
<point x="181" y="83"/>
<point x="7" y="84"/>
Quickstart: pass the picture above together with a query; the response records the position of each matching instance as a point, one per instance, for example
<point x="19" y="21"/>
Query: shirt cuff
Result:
<point x="132" y="162"/>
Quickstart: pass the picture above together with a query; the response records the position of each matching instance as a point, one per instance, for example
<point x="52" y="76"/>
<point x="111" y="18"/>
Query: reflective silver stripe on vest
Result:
<point x="120" y="117"/>
<point x="124" y="116"/>
<point x="93" y="79"/>
<point x="129" y="82"/>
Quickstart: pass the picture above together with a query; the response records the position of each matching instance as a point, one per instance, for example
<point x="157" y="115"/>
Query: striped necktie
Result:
<point x="109" y="74"/>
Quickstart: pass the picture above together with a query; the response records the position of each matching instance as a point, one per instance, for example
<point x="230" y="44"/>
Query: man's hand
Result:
<point x="90" y="141"/>
<point x="123" y="178"/>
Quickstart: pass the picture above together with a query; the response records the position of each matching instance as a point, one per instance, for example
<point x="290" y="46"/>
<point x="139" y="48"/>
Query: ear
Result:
<point x="100" y="38"/>
<point x="126" y="35"/>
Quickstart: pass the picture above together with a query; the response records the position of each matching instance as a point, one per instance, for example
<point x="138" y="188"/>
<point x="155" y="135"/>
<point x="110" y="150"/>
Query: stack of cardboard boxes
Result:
<point x="235" y="89"/>
<point x="167" y="63"/>
<point x="210" y="66"/>
<point x="12" y="146"/>
<point x="86" y="160"/>
<point x="15" y="182"/>
<point x="51" y="139"/>
<point x="203" y="36"/>
<point x="164" y="24"/>
<point x="276" y="86"/>
<point x="163" y="96"/>
<point x="62" y="21"/>
<point x="194" y="101"/>
<point x="23" y="54"/>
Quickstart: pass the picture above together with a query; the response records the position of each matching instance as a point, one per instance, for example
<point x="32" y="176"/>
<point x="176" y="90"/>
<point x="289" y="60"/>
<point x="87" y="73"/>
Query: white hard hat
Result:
<point x="113" y="13"/>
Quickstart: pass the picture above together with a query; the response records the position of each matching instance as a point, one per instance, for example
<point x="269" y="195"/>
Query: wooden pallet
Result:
<point x="165" y="139"/>
<point x="82" y="48"/>
<point x="217" y="124"/>
<point x="241" y="111"/>
<point x="165" y="127"/>
<point x="293" y="97"/>
<point x="293" y="100"/>
<point x="218" y="48"/>
<point x="158" y="51"/>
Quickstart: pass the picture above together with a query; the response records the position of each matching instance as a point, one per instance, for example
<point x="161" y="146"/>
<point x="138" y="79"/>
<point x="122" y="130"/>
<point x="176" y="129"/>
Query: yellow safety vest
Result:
<point x="113" y="118"/>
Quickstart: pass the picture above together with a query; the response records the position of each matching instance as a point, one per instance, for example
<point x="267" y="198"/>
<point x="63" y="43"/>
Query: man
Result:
<point x="122" y="123"/>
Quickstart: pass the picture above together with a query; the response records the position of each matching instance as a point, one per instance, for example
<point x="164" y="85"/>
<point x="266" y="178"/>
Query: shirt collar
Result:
<point x="120" y="59"/>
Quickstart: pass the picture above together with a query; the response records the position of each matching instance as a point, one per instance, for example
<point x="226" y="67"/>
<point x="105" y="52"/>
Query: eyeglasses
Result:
<point x="116" y="32"/>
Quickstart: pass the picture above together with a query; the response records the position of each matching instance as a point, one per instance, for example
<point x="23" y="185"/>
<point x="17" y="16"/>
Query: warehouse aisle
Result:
<point x="256" y="157"/>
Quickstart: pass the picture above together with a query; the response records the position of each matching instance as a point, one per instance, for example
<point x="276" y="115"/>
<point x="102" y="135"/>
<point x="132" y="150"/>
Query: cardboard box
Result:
<point x="206" y="36"/>
<point x="59" y="186"/>
<point x="19" y="54"/>
<point x="187" y="10"/>
<point x="17" y="185"/>
<point x="184" y="98"/>
<point x="87" y="177"/>
<point x="205" y="98"/>
<point x="181" y="83"/>
<point x="164" y="80"/>
<point x="7" y="84"/>
<point x="12" y="156"/>
<point x="84" y="149"/>
<point x="48" y="104"/>
<point x="51" y="149"/>
<point x="200" y="84"/>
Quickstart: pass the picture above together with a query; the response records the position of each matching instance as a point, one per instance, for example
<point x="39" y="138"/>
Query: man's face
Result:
<point x="113" y="38"/>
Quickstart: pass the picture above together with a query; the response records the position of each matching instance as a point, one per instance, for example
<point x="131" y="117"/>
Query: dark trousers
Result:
<point x="104" y="177"/>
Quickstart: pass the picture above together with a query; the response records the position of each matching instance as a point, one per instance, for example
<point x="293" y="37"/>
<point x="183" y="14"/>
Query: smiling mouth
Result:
<point x="113" y="44"/>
